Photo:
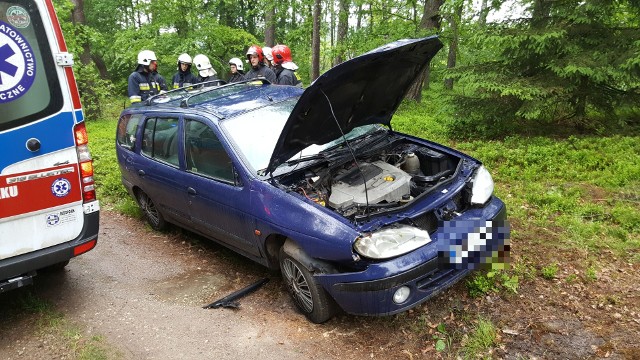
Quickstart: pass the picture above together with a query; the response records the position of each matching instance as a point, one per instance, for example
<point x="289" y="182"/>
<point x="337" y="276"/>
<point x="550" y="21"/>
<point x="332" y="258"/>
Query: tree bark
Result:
<point x="343" y="27"/>
<point x="78" y="19"/>
<point x="270" y="22"/>
<point x="453" y="45"/>
<point x="484" y="11"/>
<point x="315" y="41"/>
<point x="431" y="20"/>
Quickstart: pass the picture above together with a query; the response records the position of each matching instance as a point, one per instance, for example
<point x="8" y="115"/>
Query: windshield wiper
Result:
<point x="305" y="159"/>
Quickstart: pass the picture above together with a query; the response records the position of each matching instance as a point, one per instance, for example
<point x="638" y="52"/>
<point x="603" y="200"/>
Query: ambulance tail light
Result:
<point x="86" y="163"/>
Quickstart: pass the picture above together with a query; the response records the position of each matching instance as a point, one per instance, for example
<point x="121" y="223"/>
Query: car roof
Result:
<point x="224" y="101"/>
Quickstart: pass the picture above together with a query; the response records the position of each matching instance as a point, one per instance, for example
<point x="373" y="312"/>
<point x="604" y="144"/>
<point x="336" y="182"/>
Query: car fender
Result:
<point x="313" y="265"/>
<point x="318" y="231"/>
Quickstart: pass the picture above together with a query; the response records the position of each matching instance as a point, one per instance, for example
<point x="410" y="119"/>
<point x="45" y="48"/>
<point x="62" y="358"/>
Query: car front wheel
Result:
<point x="151" y="212"/>
<point x="309" y="296"/>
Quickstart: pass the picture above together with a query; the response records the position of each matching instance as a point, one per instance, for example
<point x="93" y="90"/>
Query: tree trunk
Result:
<point x="343" y="27"/>
<point x="315" y="41"/>
<point x="431" y="20"/>
<point x="332" y="24"/>
<point x="78" y="19"/>
<point x="540" y="14"/>
<point x="270" y="22"/>
<point x="484" y="11"/>
<point x="453" y="45"/>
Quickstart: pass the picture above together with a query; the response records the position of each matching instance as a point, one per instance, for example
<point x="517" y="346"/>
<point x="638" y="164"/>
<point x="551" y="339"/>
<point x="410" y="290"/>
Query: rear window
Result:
<point x="29" y="85"/>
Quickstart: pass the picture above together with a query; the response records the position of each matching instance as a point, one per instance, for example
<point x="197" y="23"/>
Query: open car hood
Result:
<point x="364" y="90"/>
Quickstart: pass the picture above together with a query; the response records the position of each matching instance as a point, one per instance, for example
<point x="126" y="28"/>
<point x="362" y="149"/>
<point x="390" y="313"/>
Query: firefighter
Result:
<point x="205" y="70"/>
<point x="184" y="76"/>
<point x="143" y="82"/>
<point x="284" y="66"/>
<point x="237" y="74"/>
<point x="258" y="69"/>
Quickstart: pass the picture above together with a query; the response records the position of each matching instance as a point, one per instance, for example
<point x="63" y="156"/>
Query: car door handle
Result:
<point x="141" y="173"/>
<point x="191" y="191"/>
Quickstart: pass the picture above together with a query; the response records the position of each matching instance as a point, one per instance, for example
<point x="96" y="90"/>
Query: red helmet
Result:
<point x="255" y="50"/>
<point x="281" y="54"/>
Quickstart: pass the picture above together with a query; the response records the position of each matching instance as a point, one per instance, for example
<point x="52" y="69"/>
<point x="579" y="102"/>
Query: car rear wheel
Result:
<point x="309" y="296"/>
<point x="151" y="212"/>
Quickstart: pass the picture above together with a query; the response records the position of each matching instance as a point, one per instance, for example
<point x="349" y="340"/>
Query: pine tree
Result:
<point x="573" y="63"/>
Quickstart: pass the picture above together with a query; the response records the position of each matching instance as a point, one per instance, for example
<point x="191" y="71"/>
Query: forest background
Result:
<point x="547" y="97"/>
<point x="553" y="66"/>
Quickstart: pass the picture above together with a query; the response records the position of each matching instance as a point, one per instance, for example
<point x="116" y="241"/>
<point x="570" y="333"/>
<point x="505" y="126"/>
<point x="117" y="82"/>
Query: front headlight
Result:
<point x="482" y="187"/>
<point x="391" y="241"/>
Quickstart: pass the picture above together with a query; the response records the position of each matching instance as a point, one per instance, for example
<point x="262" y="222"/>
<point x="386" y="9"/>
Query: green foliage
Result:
<point x="482" y="338"/>
<point x="550" y="271"/>
<point x="102" y="135"/>
<point x="590" y="274"/>
<point x="574" y="66"/>
<point x="442" y="338"/>
<point x="483" y="283"/>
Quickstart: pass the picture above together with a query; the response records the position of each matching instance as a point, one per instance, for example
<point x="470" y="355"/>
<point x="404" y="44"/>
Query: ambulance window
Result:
<point x="29" y="84"/>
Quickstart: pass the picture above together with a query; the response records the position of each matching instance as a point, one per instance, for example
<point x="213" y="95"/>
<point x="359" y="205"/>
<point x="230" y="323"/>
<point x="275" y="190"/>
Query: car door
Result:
<point x="219" y="203"/>
<point x="158" y="166"/>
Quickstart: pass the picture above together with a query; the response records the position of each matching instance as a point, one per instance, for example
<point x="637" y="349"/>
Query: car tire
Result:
<point x="309" y="296"/>
<point x="151" y="212"/>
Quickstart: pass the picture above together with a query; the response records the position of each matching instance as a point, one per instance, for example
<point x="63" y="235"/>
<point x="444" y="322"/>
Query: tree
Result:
<point x="573" y="63"/>
<point x="270" y="25"/>
<point x="431" y="22"/>
<point x="315" y="40"/>
<point x="454" y="21"/>
<point x="343" y="27"/>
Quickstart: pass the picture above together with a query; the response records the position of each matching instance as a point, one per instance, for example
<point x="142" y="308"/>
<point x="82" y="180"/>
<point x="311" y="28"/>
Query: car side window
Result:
<point x="127" y="129"/>
<point x="160" y="140"/>
<point x="205" y="153"/>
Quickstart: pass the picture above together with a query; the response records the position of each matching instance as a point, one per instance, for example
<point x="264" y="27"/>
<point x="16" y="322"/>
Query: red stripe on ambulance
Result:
<point x="36" y="190"/>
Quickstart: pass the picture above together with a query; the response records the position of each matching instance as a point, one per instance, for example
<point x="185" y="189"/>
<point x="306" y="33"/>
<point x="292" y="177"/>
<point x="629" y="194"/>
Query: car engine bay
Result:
<point x="390" y="178"/>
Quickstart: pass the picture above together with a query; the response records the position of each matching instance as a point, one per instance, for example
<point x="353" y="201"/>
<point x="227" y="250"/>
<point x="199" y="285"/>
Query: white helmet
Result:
<point x="267" y="53"/>
<point x="145" y="57"/>
<point x="184" y="59"/>
<point x="203" y="65"/>
<point x="237" y="62"/>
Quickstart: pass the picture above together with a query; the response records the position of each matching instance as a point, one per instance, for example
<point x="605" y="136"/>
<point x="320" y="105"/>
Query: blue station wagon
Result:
<point x="314" y="182"/>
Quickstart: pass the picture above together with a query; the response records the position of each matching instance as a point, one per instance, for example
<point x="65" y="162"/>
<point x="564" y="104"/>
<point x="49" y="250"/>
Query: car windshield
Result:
<point x="255" y="134"/>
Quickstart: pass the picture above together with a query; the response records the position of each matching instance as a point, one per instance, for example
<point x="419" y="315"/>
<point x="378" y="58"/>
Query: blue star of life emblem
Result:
<point x="61" y="187"/>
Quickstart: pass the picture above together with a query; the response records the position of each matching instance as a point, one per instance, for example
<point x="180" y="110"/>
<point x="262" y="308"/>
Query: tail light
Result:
<point x="86" y="163"/>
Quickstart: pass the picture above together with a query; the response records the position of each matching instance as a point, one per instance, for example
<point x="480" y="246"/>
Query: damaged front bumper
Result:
<point x="418" y="275"/>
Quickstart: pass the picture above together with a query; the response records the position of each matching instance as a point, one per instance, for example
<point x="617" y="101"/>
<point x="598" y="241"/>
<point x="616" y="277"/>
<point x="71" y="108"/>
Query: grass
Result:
<point x="562" y="194"/>
<point x="51" y="323"/>
<point x="102" y="135"/>
<point x="580" y="192"/>
<point x="481" y="339"/>
<point x="575" y="193"/>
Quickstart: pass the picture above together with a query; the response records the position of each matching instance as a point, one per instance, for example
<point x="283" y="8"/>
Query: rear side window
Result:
<point x="29" y="84"/>
<point x="205" y="154"/>
<point x="127" y="129"/>
<point x="160" y="140"/>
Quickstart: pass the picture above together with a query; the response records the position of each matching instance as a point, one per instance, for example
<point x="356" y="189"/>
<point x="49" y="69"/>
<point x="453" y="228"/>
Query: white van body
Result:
<point x="48" y="207"/>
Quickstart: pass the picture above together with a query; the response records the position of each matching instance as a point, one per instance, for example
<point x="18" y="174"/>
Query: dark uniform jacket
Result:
<point x="142" y="85"/>
<point x="181" y="79"/>
<point x="236" y="77"/>
<point x="162" y="83"/>
<point x="208" y="78"/>
<point x="287" y="77"/>
<point x="261" y="72"/>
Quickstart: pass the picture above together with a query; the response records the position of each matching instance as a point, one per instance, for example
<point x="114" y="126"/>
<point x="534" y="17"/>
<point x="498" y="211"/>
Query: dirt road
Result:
<point x="141" y="293"/>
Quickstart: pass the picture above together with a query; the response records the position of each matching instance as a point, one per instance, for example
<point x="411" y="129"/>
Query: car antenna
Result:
<point x="364" y="180"/>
